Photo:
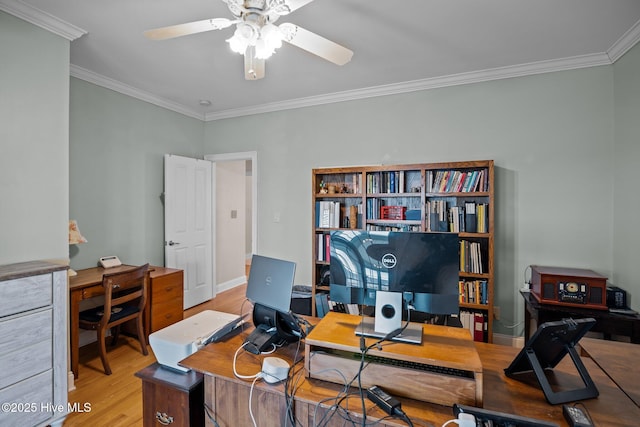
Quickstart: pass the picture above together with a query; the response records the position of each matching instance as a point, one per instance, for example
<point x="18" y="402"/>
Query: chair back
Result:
<point x="123" y="287"/>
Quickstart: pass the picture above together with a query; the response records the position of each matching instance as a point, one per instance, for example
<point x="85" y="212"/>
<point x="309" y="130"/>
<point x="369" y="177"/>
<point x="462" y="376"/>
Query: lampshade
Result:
<point x="75" y="237"/>
<point x="266" y="38"/>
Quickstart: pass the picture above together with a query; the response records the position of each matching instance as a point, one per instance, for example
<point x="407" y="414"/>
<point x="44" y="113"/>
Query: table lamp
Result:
<point x="75" y="238"/>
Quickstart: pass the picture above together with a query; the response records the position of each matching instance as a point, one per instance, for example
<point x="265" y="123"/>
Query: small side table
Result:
<point x="171" y="398"/>
<point x="607" y="323"/>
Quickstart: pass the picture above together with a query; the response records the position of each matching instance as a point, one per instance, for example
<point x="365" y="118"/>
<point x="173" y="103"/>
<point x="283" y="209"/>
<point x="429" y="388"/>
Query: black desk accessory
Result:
<point x="546" y="348"/>
<point x="263" y="338"/>
<point x="499" y="419"/>
<point x="274" y="328"/>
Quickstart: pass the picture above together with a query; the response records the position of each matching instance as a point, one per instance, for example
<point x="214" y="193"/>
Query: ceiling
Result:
<point x="399" y="46"/>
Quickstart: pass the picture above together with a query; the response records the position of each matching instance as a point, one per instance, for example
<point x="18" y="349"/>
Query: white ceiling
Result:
<point x="399" y="45"/>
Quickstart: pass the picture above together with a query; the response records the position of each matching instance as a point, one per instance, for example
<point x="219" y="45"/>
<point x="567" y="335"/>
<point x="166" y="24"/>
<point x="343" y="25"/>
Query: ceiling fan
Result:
<point x="256" y="36"/>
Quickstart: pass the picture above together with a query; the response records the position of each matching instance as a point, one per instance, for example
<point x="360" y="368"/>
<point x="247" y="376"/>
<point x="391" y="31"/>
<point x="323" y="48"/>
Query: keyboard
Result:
<point x="423" y="367"/>
<point x="442" y="370"/>
<point x="487" y="418"/>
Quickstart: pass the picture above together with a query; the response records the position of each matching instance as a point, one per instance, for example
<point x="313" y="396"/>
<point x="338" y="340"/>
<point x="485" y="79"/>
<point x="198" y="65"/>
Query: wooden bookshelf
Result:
<point x="427" y="197"/>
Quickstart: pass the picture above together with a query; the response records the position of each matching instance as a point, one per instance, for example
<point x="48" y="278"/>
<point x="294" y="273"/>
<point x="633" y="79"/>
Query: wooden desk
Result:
<point x="228" y="396"/>
<point x="619" y="361"/>
<point x="164" y="305"/>
<point x="606" y="322"/>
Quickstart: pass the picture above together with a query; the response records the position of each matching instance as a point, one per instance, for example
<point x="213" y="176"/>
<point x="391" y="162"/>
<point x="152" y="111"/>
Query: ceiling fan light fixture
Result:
<point x="256" y="37"/>
<point x="270" y="40"/>
<point x="245" y="35"/>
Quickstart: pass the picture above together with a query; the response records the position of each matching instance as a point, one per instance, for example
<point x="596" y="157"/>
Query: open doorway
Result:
<point x="235" y="227"/>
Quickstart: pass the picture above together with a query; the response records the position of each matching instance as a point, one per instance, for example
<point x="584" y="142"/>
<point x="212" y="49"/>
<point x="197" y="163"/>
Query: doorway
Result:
<point x="235" y="227"/>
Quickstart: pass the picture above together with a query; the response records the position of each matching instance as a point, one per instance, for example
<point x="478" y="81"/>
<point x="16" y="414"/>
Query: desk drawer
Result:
<point x="165" y="314"/>
<point x="26" y="293"/>
<point x="167" y="288"/>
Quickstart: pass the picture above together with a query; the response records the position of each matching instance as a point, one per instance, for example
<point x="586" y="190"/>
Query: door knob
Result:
<point x="172" y="243"/>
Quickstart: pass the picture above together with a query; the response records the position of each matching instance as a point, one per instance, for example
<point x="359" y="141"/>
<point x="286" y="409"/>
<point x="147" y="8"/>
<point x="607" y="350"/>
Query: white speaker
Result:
<point x="388" y="311"/>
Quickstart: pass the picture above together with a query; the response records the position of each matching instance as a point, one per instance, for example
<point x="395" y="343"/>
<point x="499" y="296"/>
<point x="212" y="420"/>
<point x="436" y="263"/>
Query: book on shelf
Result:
<point x="394" y="227"/>
<point x="391" y="182"/>
<point x="478" y="326"/>
<point x="437" y="215"/>
<point x="328" y="214"/>
<point x="476" y="323"/>
<point x="471" y="257"/>
<point x="458" y="181"/>
<point x="323" y="247"/>
<point x="470" y="219"/>
<point x="473" y="291"/>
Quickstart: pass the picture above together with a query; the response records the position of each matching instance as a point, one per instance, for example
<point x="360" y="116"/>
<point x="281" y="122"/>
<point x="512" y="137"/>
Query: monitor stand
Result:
<point x="412" y="334"/>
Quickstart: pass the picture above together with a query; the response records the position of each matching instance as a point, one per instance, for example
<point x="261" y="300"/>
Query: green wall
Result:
<point x="625" y="170"/>
<point x="116" y="172"/>
<point x="34" y="142"/>
<point x="565" y="147"/>
<point x="551" y="137"/>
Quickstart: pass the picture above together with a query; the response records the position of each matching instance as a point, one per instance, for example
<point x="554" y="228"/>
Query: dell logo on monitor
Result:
<point x="389" y="260"/>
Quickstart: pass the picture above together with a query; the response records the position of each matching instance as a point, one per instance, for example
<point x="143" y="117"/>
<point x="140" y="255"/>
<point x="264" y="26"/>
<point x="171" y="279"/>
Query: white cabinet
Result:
<point x="33" y="344"/>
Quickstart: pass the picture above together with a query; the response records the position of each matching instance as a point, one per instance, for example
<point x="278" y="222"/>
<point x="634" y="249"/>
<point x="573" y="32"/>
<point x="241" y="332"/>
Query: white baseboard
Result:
<point x="71" y="385"/>
<point x="508" y="340"/>
<point x="230" y="284"/>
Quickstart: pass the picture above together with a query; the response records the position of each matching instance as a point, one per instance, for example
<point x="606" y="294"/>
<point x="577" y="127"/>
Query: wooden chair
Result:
<point x="125" y="296"/>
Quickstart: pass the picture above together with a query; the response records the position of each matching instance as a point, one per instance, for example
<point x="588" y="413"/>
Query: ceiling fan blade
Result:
<point x="253" y="67"/>
<point x="188" y="28"/>
<point x="315" y="44"/>
<point x="296" y="4"/>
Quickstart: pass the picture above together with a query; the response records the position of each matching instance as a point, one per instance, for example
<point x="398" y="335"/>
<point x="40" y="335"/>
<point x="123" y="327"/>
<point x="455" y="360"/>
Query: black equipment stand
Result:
<point x="546" y="348"/>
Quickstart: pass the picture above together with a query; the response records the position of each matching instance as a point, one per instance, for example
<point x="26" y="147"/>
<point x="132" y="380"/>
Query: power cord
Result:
<point x="463" y="420"/>
<point x="253" y="383"/>
<point x="235" y="372"/>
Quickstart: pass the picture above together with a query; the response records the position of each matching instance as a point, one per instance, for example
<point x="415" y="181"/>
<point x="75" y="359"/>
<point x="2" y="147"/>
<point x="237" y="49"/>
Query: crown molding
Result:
<point x="106" y="82"/>
<point x="70" y="32"/>
<point x="541" y="67"/>
<point x="624" y="43"/>
<point x="41" y="19"/>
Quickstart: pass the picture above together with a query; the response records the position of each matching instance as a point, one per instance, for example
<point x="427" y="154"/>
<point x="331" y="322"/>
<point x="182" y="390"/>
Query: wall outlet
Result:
<point x="496" y="312"/>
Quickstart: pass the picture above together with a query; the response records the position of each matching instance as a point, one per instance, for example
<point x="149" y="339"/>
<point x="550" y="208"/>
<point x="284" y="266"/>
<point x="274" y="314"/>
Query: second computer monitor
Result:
<point x="271" y="282"/>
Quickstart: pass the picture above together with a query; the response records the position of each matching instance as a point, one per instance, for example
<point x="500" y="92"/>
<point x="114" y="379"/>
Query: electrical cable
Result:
<point x="400" y="413"/>
<point x="209" y="413"/>
<point x="290" y="387"/>
<point x="235" y="372"/>
<point x="253" y="383"/>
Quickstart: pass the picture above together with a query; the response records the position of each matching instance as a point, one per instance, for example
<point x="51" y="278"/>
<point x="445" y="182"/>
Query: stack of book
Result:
<point x="456" y="181"/>
<point x="327" y="214"/>
<point x="471" y="257"/>
<point x="473" y="291"/>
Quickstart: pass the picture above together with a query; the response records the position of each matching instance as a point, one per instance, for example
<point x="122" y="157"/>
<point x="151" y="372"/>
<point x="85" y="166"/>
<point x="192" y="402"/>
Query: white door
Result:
<point x="188" y="219"/>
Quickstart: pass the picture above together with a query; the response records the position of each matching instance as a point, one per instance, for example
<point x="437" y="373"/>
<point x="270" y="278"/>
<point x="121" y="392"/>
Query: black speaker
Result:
<point x="549" y="291"/>
<point x="595" y="296"/>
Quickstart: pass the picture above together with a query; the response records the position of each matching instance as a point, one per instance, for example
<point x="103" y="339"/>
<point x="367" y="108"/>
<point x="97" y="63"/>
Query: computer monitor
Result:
<point x="420" y="268"/>
<point x="271" y="282"/>
<point x="269" y="288"/>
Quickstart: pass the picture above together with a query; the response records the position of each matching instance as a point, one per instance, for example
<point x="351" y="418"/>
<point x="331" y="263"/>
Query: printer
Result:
<point x="178" y="341"/>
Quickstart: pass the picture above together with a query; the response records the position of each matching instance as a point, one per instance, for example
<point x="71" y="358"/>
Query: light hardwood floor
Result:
<point x="116" y="400"/>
